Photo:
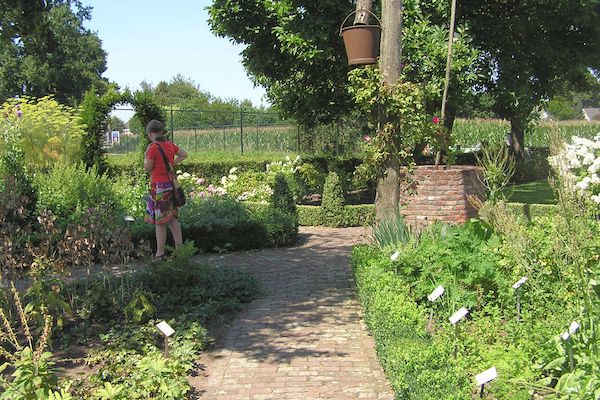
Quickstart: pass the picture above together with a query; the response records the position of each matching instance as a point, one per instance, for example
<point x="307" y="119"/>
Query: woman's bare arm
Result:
<point x="180" y="156"/>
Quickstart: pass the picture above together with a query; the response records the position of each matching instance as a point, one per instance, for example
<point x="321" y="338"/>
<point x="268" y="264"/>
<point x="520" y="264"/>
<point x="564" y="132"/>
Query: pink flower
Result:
<point x="435" y="120"/>
<point x="201" y="194"/>
<point x="200" y="181"/>
<point x="210" y="188"/>
<point x="367" y="138"/>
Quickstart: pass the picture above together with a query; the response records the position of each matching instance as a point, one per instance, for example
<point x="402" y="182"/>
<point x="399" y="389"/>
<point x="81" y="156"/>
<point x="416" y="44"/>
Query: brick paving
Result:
<point x="304" y="338"/>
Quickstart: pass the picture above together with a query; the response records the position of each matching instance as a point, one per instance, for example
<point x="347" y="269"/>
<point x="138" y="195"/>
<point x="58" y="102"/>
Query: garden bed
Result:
<point x="109" y="346"/>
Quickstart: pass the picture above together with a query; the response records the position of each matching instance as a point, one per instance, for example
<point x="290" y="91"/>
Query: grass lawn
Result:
<point x="538" y="192"/>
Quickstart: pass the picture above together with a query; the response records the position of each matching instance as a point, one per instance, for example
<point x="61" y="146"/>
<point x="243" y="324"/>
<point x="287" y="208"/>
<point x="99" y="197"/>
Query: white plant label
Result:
<point x="437" y="292"/>
<point x="520" y="282"/>
<point x="574" y="327"/>
<point x="565" y="336"/>
<point x="486" y="376"/>
<point x="165" y="329"/>
<point x="457" y="316"/>
<point x="129" y="218"/>
<point x="395" y="256"/>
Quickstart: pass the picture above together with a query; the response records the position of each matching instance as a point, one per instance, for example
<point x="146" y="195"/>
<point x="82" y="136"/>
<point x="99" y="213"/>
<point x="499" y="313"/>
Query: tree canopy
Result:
<point x="45" y="49"/>
<point x="507" y="55"/>
<point x="293" y="49"/>
<point x="531" y="48"/>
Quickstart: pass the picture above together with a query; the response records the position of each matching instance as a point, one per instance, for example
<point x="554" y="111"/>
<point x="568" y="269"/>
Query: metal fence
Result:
<point x="242" y="132"/>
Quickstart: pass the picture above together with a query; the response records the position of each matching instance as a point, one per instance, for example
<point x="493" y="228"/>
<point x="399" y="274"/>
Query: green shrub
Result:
<point x="332" y="207"/>
<point x="418" y="365"/>
<point x="69" y="190"/>
<point x="460" y="258"/>
<point x="281" y="227"/>
<point x="282" y="198"/>
<point x="222" y="223"/>
<point x="217" y="222"/>
<point x="46" y="133"/>
<point x="130" y="191"/>
<point x="354" y="215"/>
<point x="312" y="178"/>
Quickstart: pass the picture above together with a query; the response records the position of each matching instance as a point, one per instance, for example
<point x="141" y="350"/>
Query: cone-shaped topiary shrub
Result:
<point x="332" y="208"/>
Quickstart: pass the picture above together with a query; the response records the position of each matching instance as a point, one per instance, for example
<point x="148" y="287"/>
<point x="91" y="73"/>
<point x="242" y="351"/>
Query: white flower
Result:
<point x="186" y="175"/>
<point x="595" y="179"/>
<point x="224" y="180"/>
<point x="596" y="198"/>
<point x="588" y="159"/>
<point x="233" y="170"/>
<point x="584" y="183"/>
<point x="595" y="167"/>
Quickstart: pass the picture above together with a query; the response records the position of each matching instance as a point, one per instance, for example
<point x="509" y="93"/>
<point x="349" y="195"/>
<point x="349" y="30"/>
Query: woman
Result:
<point x="161" y="208"/>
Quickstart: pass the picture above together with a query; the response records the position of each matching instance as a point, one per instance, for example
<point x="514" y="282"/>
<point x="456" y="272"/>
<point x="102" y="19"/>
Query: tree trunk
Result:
<point x="387" y="200"/>
<point x="362" y="17"/>
<point x="517" y="133"/>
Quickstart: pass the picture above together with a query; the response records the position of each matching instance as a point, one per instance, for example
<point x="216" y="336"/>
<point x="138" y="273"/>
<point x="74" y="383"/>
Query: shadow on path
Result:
<point x="304" y="338"/>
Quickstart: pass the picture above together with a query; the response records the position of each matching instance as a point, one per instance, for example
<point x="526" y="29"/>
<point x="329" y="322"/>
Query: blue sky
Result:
<point x="155" y="40"/>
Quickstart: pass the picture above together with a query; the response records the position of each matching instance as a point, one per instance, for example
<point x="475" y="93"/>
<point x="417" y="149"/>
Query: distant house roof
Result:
<point x="591" y="114"/>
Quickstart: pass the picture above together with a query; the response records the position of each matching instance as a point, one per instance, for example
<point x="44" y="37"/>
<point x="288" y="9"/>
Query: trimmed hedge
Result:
<point x="214" y="170"/>
<point x="418" y="366"/>
<point x="216" y="223"/>
<point x="354" y="215"/>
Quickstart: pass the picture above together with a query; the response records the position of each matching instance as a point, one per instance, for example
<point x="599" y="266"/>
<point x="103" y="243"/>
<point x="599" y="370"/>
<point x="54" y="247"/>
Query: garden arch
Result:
<point x="95" y="110"/>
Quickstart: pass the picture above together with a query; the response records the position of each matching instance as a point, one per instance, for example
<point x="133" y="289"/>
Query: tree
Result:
<point x="293" y="50"/>
<point x="180" y="90"/>
<point x="45" y="49"/>
<point x="530" y="48"/>
<point x="116" y="123"/>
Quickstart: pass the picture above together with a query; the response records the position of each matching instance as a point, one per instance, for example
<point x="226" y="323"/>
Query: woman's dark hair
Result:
<point x="155" y="126"/>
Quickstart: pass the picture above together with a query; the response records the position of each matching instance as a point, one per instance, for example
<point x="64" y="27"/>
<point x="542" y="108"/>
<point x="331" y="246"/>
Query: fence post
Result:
<point x="242" y="128"/>
<point x="298" y="139"/>
<point x="196" y="139"/>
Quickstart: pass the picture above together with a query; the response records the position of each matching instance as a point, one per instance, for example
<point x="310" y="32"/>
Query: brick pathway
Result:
<point x="304" y="338"/>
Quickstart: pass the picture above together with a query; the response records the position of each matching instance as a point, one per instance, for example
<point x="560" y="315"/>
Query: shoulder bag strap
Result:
<point x="168" y="166"/>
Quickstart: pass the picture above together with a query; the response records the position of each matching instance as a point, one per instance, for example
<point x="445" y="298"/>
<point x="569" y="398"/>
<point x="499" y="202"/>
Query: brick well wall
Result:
<point x="441" y="194"/>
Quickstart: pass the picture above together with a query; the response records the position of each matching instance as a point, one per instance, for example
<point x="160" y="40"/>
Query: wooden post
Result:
<point x="387" y="199"/>
<point x="362" y="16"/>
<point x="438" y="158"/>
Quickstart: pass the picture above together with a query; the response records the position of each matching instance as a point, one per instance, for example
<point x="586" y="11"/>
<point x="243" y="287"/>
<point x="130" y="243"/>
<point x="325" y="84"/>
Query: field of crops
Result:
<point x="469" y="132"/>
<point x="285" y="138"/>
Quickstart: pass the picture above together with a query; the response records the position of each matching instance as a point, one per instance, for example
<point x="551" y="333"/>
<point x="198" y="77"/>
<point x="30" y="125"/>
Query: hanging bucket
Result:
<point x="361" y="41"/>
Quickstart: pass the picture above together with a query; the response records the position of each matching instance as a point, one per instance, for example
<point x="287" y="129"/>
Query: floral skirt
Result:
<point x="160" y="205"/>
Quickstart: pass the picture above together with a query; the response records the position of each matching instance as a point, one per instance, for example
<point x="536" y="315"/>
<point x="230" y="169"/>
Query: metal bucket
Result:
<point x="361" y="41"/>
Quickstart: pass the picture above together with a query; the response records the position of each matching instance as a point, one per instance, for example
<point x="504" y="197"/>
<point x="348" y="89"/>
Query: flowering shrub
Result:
<point x="43" y="129"/>
<point x="287" y="167"/>
<point x="197" y="187"/>
<point x="578" y="165"/>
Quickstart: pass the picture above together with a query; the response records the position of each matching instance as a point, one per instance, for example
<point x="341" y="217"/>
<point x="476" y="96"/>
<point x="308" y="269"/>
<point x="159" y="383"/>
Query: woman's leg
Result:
<point x="176" y="231"/>
<point x="161" y="238"/>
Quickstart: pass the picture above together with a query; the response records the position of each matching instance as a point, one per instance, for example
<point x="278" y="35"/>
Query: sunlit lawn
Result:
<point x="538" y="192"/>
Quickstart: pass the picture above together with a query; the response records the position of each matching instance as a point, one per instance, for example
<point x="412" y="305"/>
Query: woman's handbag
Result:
<point x="178" y="194"/>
